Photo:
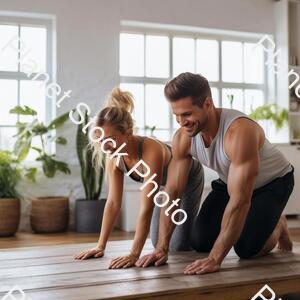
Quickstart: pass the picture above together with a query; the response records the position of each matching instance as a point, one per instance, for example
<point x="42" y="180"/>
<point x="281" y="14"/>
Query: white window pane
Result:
<point x="183" y="55"/>
<point x="34" y="41"/>
<point x="216" y="97"/>
<point x="8" y="100"/>
<point x="131" y="54"/>
<point x="253" y="99"/>
<point x="253" y="64"/>
<point x="8" y="48"/>
<point x="232" y="53"/>
<point x="137" y="91"/>
<point x="157" y="107"/>
<point x="175" y="123"/>
<point x="157" y="56"/>
<point x="32" y="94"/>
<point x="162" y="135"/>
<point x="235" y="96"/>
<point x="7" y="140"/>
<point x="208" y="59"/>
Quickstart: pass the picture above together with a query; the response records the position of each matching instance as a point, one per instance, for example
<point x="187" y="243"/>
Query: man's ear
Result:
<point x="208" y="102"/>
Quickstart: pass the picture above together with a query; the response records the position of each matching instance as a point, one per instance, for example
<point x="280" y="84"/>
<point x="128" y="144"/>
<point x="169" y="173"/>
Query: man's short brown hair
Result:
<point x="188" y="85"/>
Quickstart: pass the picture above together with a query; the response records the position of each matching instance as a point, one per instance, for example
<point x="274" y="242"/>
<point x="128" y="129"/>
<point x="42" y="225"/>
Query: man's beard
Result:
<point x="199" y="127"/>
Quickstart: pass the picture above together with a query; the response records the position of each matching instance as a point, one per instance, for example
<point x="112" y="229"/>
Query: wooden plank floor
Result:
<point x="50" y="272"/>
<point x="26" y="239"/>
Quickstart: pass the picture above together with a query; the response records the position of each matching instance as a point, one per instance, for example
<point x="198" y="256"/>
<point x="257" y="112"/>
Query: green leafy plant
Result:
<point x="10" y="174"/>
<point x="271" y="112"/>
<point x="27" y="131"/>
<point x="92" y="178"/>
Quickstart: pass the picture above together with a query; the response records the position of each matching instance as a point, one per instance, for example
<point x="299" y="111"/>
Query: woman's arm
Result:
<point x="111" y="210"/>
<point x="153" y="157"/>
<point x="114" y="202"/>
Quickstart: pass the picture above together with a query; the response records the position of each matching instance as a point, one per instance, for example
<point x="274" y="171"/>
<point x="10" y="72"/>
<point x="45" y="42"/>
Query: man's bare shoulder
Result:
<point x="243" y="135"/>
<point x="181" y="143"/>
<point x="243" y="127"/>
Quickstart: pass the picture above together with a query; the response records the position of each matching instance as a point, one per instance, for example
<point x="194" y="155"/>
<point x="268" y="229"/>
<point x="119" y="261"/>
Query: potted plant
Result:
<point x="48" y="214"/>
<point x="231" y="100"/>
<point x="151" y="129"/>
<point x="10" y="206"/>
<point x="270" y="112"/>
<point x="10" y="174"/>
<point x="88" y="211"/>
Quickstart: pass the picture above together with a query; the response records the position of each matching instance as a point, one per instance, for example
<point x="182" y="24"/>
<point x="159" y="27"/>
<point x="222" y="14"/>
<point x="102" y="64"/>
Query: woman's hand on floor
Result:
<point x="94" y="252"/>
<point x="158" y="257"/>
<point x="123" y="262"/>
<point x="202" y="266"/>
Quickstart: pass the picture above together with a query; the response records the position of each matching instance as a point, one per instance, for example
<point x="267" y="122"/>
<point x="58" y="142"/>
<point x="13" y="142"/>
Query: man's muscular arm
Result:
<point x="243" y="151"/>
<point x="176" y="184"/>
<point x="179" y="167"/>
<point x="242" y="143"/>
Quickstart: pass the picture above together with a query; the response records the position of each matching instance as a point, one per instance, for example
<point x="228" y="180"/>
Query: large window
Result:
<point x="233" y="66"/>
<point x="24" y="45"/>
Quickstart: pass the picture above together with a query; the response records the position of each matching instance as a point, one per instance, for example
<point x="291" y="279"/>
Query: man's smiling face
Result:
<point x="189" y="116"/>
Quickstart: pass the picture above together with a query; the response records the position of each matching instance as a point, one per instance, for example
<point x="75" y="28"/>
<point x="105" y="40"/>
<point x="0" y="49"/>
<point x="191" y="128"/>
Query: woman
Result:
<point x="116" y="121"/>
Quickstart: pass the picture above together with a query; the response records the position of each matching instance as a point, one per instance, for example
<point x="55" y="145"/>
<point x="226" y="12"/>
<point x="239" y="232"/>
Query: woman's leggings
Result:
<point x="190" y="202"/>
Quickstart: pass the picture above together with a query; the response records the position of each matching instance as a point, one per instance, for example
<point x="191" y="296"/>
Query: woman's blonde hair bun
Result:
<point x="121" y="99"/>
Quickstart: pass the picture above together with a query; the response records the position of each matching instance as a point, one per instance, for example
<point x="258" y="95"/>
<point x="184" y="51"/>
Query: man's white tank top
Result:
<point x="272" y="162"/>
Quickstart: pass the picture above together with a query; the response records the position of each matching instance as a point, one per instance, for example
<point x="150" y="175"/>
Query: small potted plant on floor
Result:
<point x="48" y="214"/>
<point x="10" y="206"/>
<point x="88" y="211"/>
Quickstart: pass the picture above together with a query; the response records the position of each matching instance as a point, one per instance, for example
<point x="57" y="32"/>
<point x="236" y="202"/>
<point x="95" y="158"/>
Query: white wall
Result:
<point x="87" y="53"/>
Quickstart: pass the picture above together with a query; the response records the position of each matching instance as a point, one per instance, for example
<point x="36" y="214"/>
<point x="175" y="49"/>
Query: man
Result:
<point x="244" y="208"/>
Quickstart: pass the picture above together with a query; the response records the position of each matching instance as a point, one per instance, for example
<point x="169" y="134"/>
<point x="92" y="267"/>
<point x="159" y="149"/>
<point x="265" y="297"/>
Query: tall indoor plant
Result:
<point x="48" y="214"/>
<point x="89" y="211"/>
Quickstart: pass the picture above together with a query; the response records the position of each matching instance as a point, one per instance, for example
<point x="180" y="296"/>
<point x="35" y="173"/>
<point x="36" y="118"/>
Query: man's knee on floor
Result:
<point x="246" y="250"/>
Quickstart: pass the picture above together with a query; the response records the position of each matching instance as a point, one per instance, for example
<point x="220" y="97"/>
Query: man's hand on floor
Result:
<point x="158" y="257"/>
<point x="202" y="266"/>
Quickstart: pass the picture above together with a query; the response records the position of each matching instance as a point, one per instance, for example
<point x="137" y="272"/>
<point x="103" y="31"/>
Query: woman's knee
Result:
<point x="180" y="246"/>
<point x="154" y="239"/>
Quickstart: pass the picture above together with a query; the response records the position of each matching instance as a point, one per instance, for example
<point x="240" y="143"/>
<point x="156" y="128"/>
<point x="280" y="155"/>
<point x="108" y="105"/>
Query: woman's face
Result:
<point x="110" y="133"/>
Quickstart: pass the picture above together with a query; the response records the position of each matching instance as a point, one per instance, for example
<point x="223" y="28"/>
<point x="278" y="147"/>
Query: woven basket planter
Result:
<point x="10" y="210"/>
<point x="49" y="214"/>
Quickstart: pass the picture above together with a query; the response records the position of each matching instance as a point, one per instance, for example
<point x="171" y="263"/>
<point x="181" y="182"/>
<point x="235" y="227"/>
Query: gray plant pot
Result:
<point x="88" y="215"/>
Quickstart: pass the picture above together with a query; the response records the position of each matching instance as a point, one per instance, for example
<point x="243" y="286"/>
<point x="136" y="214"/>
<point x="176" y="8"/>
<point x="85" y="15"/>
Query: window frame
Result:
<point x="48" y="22"/>
<point x="171" y="31"/>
